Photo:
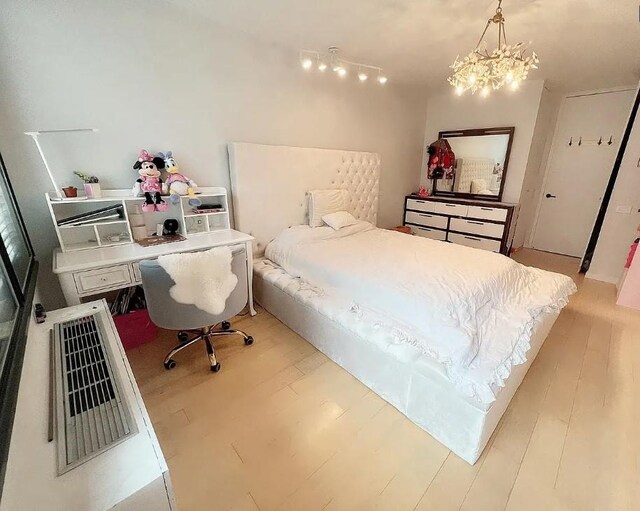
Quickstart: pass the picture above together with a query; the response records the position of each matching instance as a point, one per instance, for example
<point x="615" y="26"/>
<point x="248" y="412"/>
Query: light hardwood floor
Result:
<point x="283" y="427"/>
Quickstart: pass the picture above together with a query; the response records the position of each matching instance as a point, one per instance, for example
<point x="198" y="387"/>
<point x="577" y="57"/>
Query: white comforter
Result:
<point x="472" y="310"/>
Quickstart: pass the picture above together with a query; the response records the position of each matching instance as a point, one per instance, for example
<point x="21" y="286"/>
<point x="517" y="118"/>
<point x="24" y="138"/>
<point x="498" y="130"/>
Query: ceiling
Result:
<point x="582" y="44"/>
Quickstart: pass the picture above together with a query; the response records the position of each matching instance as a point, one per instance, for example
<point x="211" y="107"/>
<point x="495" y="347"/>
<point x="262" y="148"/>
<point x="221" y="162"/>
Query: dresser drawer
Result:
<point x="427" y="232"/>
<point x="448" y="208"/>
<point x="421" y="205"/>
<point x="472" y="241"/>
<point x="426" y="219"/>
<point x="487" y="213"/>
<point x="477" y="227"/>
<point x="102" y="279"/>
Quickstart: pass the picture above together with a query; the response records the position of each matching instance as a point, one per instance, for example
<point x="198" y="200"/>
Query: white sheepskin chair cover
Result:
<point x="203" y="279"/>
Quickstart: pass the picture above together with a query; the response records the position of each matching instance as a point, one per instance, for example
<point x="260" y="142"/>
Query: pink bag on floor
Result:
<point x="135" y="328"/>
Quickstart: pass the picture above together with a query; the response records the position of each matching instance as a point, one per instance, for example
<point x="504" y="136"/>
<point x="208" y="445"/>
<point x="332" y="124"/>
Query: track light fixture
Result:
<point x="310" y="59"/>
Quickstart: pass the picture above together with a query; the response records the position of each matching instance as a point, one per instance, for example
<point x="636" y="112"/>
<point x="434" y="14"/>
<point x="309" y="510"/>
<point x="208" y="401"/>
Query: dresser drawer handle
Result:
<point x="451" y="205"/>
<point x="474" y="239"/>
<point x="425" y="215"/>
<point x="424" y="229"/>
<point x="475" y="223"/>
<point x="487" y="209"/>
<point x="420" y="201"/>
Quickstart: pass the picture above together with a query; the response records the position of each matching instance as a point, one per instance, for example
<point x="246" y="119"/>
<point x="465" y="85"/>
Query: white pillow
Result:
<point x="478" y="185"/>
<point x="339" y="219"/>
<point x="323" y="202"/>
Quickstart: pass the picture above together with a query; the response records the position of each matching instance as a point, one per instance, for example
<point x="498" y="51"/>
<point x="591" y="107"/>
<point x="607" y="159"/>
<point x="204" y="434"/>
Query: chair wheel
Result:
<point x="182" y="337"/>
<point x="170" y="364"/>
<point x="248" y="341"/>
<point x="226" y="325"/>
<point x="216" y="367"/>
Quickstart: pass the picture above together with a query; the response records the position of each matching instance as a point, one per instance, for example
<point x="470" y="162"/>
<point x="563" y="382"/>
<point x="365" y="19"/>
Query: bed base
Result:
<point x="425" y="397"/>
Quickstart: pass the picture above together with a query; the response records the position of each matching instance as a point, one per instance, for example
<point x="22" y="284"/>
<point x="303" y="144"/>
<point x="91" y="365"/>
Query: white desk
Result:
<point x="90" y="272"/>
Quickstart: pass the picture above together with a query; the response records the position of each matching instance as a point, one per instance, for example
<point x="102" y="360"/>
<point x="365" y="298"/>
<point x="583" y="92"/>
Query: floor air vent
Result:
<point x="91" y="414"/>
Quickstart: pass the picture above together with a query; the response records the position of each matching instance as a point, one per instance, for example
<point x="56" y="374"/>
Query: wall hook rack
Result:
<point x="600" y="141"/>
<point x="570" y="141"/>
<point x="580" y="141"/>
<point x="610" y="140"/>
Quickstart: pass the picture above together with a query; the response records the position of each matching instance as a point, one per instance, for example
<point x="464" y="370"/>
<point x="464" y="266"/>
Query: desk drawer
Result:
<point x="477" y="227"/>
<point x="426" y="219"/>
<point x="487" y="213"/>
<point x="92" y="281"/>
<point x="427" y="232"/>
<point x="448" y="208"/>
<point x="472" y="241"/>
<point x="135" y="272"/>
<point x="421" y="205"/>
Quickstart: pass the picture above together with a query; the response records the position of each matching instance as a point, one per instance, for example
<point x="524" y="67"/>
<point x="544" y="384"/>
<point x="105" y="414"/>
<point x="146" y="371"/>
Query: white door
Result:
<point x="579" y="169"/>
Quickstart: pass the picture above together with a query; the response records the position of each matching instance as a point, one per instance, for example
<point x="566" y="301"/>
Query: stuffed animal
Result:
<point x="149" y="183"/>
<point x="177" y="184"/>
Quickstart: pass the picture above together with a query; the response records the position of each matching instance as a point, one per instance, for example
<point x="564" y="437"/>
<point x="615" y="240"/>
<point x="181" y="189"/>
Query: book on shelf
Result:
<point x="109" y="212"/>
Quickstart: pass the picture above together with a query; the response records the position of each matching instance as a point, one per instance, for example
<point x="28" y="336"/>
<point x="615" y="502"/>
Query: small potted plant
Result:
<point x="91" y="185"/>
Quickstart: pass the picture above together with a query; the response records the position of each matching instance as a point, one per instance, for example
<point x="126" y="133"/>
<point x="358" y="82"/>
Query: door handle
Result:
<point x="549" y="196"/>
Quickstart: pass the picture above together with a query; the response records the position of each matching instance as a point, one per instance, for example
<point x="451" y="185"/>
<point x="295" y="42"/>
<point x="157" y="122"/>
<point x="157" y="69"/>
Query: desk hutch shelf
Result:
<point x="126" y="221"/>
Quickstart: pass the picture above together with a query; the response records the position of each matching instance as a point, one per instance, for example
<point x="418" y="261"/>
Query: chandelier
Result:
<point x="483" y="71"/>
<point x="310" y="59"/>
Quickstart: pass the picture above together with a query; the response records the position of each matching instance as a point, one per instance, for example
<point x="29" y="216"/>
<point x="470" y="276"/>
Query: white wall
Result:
<point x="622" y="217"/>
<point x="538" y="157"/>
<point x="448" y="111"/>
<point x="150" y="75"/>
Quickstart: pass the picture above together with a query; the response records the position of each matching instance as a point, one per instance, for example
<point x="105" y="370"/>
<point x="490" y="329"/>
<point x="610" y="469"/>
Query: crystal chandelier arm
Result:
<point x="504" y="35"/>
<point x="484" y="33"/>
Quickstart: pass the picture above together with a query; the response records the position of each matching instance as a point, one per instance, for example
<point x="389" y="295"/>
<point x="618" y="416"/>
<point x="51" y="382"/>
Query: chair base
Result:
<point x="205" y="334"/>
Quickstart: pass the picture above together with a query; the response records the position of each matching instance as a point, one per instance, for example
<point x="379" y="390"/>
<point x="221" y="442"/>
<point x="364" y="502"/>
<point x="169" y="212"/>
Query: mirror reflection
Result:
<point x="481" y="160"/>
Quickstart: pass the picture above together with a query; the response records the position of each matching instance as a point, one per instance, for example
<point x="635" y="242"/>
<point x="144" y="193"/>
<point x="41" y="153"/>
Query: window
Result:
<point x="18" y="269"/>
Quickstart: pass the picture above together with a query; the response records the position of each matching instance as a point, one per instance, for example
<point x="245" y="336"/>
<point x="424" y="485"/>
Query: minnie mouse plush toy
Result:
<point x="149" y="183"/>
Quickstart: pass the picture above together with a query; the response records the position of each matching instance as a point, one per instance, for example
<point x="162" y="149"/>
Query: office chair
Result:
<point x="193" y="324"/>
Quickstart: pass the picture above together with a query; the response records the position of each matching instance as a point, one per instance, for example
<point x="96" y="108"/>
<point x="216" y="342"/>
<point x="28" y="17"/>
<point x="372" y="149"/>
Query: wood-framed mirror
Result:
<point x="481" y="164"/>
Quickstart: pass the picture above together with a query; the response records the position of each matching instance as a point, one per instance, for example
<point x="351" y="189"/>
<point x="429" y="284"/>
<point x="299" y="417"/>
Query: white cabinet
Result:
<point x="478" y="224"/>
<point x="427" y="232"/>
<point x="426" y="219"/>
<point x="477" y="227"/>
<point x="474" y="241"/>
<point x="94" y="281"/>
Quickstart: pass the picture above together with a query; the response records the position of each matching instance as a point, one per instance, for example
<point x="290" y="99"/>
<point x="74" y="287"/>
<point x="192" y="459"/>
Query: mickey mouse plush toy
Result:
<point x="149" y="183"/>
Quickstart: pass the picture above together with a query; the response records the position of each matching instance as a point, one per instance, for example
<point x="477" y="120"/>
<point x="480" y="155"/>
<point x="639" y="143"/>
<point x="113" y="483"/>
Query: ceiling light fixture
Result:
<point x="483" y="71"/>
<point x="339" y="65"/>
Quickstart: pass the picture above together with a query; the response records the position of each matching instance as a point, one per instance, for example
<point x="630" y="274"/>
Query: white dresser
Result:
<point x="479" y="224"/>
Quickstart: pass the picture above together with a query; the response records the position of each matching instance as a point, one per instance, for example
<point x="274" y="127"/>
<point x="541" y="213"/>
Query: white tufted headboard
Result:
<point x="269" y="185"/>
<point x="469" y="169"/>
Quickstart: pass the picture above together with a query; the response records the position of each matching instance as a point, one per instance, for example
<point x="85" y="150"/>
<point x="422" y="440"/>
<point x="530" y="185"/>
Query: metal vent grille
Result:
<point x="91" y="416"/>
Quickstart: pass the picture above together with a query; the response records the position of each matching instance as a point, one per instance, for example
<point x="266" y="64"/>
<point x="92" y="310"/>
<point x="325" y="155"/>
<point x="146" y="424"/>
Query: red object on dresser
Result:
<point x="135" y="328"/>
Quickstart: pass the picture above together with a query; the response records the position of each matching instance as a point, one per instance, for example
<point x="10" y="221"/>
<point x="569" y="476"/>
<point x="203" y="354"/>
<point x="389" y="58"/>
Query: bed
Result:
<point x="444" y="333"/>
